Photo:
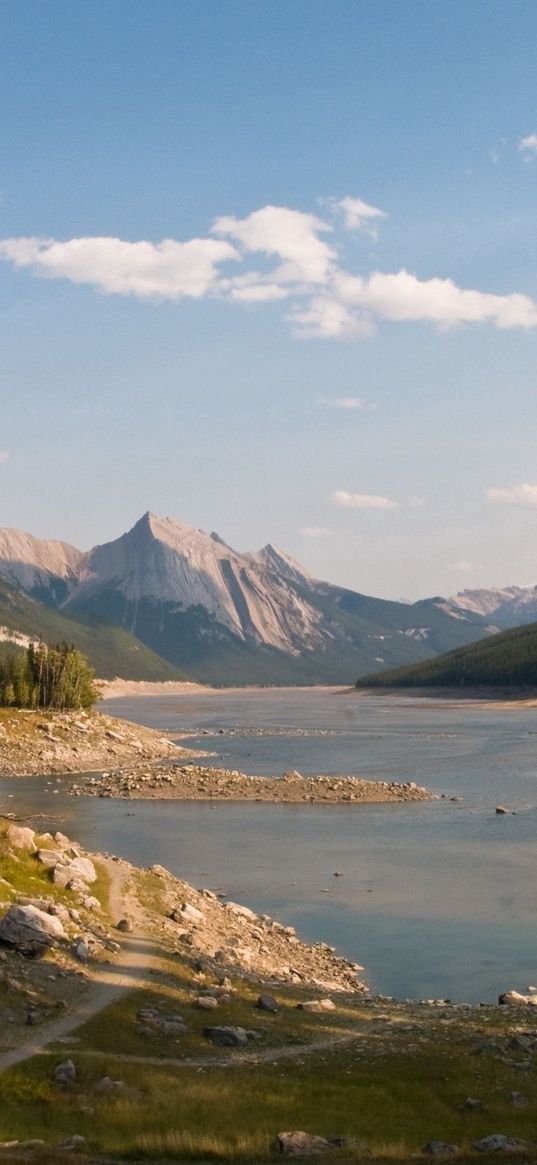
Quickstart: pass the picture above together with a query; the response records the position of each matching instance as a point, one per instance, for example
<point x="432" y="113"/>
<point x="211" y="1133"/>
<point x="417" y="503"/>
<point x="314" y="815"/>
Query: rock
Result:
<point x="497" y="1142"/>
<point x="207" y="1002"/>
<point x="502" y="810"/>
<point x="267" y="1003"/>
<point x="473" y="1105"/>
<point x="65" y="1073"/>
<point x="226" y="1037"/>
<point x="440" y="1149"/>
<point x="30" y="930"/>
<point x="516" y="999"/>
<point x="21" y="838"/>
<point x="518" y="1100"/>
<point x="49" y="857"/>
<point x="75" y="1142"/>
<point x="78" y="870"/>
<point x="316" y="1005"/>
<point x="241" y="911"/>
<point x="124" y="925"/>
<point x="82" y="950"/>
<point x="300" y="1144"/>
<point x="108" y="1085"/>
<point x="61" y="840"/>
<point x="187" y="912"/>
<point x="91" y="903"/>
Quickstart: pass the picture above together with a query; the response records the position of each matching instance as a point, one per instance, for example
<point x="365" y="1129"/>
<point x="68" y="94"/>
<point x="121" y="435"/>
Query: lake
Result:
<point x="436" y="899"/>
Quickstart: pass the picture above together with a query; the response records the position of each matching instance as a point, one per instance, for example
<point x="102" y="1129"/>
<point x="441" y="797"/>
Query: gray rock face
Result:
<point x="301" y="1144"/>
<point x="29" y="930"/>
<point x="226" y="1037"/>
<point x="49" y="857"/>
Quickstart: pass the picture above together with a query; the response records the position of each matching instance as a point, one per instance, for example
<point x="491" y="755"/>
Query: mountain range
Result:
<point x="187" y="603"/>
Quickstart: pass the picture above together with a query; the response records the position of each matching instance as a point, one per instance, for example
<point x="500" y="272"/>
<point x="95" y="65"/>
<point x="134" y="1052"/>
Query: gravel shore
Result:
<point x="191" y="782"/>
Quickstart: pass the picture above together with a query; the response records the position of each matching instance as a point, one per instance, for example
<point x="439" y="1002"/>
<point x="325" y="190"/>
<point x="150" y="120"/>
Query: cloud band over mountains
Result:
<point x="275" y="254"/>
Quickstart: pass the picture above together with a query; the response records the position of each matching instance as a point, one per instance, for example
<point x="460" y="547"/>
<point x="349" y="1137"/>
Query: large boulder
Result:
<point x="517" y="999"/>
<point x="29" y="930"/>
<point x="22" y="838"/>
<point x="226" y="1037"/>
<point x="80" y="871"/>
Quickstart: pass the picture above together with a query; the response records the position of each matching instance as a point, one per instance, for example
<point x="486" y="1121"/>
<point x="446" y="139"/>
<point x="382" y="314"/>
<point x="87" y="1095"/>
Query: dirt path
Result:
<point x="235" y="1060"/>
<point x="128" y="971"/>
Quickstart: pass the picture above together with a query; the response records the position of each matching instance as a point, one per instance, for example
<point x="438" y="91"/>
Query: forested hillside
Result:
<point x="509" y="658"/>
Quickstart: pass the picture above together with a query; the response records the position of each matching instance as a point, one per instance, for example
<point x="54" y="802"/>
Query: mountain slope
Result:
<point x="507" y="659"/>
<point x="229" y="617"/>
<point x="110" y="650"/>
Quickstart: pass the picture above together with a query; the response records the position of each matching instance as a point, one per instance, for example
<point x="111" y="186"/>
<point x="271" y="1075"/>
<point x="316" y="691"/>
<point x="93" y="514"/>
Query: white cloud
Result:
<point x="518" y="495"/>
<point x="314" y="531"/>
<point x="291" y="235"/>
<point x="274" y="254"/>
<point x="357" y="214"/>
<point x="346" y="402"/>
<point x="4" y="456"/>
<point x="362" y="501"/>
<point x="528" y="145"/>
<point x="167" y="270"/>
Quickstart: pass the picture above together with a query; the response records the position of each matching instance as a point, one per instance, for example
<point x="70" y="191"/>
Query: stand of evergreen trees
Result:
<point x="47" y="677"/>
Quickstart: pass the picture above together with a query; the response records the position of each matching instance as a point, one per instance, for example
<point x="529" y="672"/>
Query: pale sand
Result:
<point x="118" y="689"/>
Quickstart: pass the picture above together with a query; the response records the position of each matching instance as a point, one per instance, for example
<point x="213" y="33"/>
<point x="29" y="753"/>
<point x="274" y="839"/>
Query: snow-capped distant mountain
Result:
<point x="225" y="616"/>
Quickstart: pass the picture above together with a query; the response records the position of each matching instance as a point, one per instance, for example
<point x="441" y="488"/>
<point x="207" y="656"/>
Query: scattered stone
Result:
<point x="49" y="857"/>
<point x="473" y="1104"/>
<point x="301" y="1144"/>
<point x="124" y="925"/>
<point x="75" y="1142"/>
<point x="226" y="1037"/>
<point x="207" y="1002"/>
<point x="108" y="1085"/>
<point x="30" y="930"/>
<point x="65" y="1073"/>
<point x="267" y="1003"/>
<point x="497" y="1142"/>
<point x="187" y="912"/>
<point x="241" y="911"/>
<point x="501" y="810"/>
<point x="518" y="1100"/>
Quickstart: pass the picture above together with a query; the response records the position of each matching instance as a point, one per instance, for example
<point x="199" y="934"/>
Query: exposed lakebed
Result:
<point x="435" y="899"/>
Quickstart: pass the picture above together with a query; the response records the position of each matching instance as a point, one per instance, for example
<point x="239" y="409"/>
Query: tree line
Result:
<point x="47" y="677"/>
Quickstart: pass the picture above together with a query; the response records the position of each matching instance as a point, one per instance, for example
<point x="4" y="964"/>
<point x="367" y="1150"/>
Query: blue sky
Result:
<point x="336" y="348"/>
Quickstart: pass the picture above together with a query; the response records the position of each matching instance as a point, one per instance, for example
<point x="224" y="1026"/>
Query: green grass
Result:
<point x="388" y="1105"/>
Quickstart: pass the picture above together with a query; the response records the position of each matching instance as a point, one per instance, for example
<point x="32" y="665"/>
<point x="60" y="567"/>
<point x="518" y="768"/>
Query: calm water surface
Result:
<point x="436" y="899"/>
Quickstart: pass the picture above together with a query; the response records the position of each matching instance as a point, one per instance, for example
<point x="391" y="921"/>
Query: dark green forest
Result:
<point x="508" y="659"/>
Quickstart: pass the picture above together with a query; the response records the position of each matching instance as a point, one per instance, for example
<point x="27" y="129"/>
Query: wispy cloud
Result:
<point x="362" y="501"/>
<point x="315" y="531"/>
<point x="464" y="567"/>
<point x="357" y="215"/>
<point x="528" y="146"/>
<point x="4" y="456"/>
<point x="276" y="254"/>
<point x="516" y="495"/>
<point x="347" y="402"/>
